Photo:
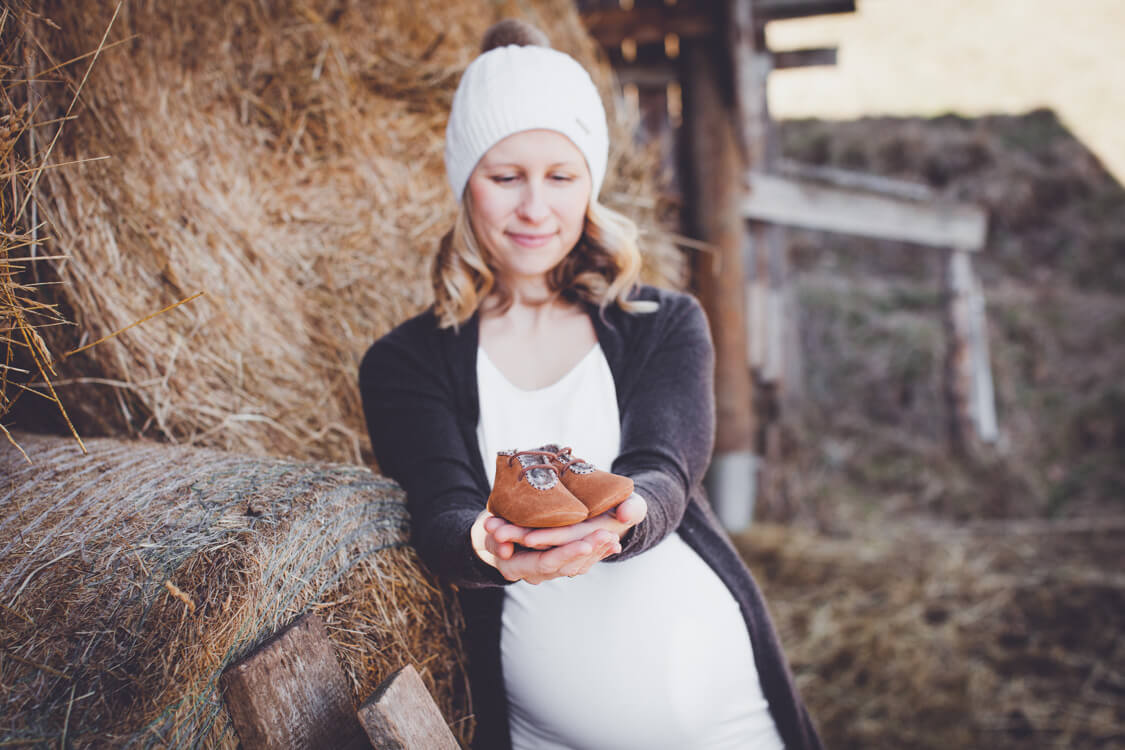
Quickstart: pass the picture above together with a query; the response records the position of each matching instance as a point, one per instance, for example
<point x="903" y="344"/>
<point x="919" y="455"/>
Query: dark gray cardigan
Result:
<point x="419" y="390"/>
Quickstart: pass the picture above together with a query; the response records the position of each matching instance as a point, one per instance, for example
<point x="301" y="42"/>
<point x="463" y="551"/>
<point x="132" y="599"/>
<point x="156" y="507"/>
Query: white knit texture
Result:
<point x="511" y="89"/>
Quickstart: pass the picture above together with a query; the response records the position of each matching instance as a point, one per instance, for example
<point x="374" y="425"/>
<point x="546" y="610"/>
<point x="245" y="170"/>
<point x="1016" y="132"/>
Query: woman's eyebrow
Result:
<point x="519" y="165"/>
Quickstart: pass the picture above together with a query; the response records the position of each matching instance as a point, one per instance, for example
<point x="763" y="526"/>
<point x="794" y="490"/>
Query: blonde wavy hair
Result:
<point x="601" y="269"/>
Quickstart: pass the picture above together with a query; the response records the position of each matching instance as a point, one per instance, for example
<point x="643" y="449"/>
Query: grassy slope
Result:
<point x="928" y="601"/>
<point x="871" y="327"/>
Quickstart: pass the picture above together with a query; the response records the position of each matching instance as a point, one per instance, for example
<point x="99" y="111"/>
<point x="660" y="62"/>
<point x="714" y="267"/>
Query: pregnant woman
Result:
<point x="633" y="627"/>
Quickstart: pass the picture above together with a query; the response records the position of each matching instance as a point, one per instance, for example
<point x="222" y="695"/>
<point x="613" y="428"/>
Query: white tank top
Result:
<point x="651" y="652"/>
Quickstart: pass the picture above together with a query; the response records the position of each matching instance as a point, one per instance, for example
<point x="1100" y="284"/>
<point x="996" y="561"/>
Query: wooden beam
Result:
<point x="291" y="693"/>
<point x="649" y="24"/>
<point x="401" y="715"/>
<point x="804" y="203"/>
<point x="804" y="58"/>
<point x="715" y="167"/>
<point x="862" y="181"/>
<point x="777" y="10"/>
<point x="959" y="387"/>
<point x="653" y="76"/>
<point x="750" y="68"/>
<point x="984" y="395"/>
<point x="653" y="69"/>
<point x="645" y="54"/>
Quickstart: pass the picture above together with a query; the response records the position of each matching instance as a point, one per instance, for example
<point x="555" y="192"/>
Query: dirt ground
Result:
<point x="992" y="635"/>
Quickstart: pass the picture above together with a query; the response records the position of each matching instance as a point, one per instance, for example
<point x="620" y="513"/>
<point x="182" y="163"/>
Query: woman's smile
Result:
<point x="531" y="240"/>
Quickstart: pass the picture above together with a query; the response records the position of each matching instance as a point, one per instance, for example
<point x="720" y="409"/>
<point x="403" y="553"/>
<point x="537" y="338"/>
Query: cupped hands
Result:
<point x="538" y="555"/>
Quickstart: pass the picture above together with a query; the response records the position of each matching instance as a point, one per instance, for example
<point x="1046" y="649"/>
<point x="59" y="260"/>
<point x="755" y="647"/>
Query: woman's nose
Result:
<point x="533" y="204"/>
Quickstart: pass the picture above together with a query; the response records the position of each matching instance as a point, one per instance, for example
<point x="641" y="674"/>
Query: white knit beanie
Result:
<point x="515" y="88"/>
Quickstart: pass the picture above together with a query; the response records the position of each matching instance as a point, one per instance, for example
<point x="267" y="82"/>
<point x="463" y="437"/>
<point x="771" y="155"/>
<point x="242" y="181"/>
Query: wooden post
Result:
<point x="775" y="356"/>
<point x="715" y="167"/>
<point x="984" y="395"/>
<point x="969" y="385"/>
<point x="959" y="385"/>
<point x="401" y="715"/>
<point x="291" y="693"/>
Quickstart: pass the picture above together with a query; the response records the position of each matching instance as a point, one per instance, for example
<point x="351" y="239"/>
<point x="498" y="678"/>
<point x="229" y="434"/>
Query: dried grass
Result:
<point x="998" y="634"/>
<point x="129" y="579"/>
<point x="285" y="160"/>
<point x="24" y="355"/>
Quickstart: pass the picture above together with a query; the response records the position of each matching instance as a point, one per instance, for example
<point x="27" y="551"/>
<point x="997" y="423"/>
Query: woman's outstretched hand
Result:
<point x="545" y="554"/>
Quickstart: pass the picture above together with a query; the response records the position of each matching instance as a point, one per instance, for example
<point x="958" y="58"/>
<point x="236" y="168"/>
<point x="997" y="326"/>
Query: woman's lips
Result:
<point x="530" y="240"/>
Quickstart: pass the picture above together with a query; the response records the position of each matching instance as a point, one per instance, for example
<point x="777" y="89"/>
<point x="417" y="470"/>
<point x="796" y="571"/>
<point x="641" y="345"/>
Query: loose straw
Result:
<point x="133" y="325"/>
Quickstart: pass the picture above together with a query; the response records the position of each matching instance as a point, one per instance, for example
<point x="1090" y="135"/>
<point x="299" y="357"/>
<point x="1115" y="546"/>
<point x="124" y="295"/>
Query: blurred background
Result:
<point x="905" y="220"/>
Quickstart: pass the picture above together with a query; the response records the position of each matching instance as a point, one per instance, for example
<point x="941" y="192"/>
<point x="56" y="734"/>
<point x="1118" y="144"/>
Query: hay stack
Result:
<point x="287" y="163"/>
<point x="130" y="578"/>
<point x="23" y="353"/>
<point x="996" y="635"/>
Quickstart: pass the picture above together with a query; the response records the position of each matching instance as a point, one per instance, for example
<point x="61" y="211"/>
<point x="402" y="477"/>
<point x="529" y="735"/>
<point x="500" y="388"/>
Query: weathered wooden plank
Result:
<point x="612" y="24"/>
<point x="644" y="25"/>
<point x="651" y="75"/>
<point x="959" y="386"/>
<point x="861" y="181"/>
<point x="654" y="56"/>
<point x="750" y="67"/>
<point x="757" y="328"/>
<point x="803" y="203"/>
<point x="401" y="715"/>
<point x="804" y="58"/>
<point x="777" y="10"/>
<point x="715" y="190"/>
<point x="984" y="396"/>
<point x="291" y="693"/>
<point x="773" y="366"/>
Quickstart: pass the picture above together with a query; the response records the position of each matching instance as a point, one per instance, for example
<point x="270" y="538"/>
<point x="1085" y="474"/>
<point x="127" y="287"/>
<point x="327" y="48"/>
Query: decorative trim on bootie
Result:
<point x="570" y="463"/>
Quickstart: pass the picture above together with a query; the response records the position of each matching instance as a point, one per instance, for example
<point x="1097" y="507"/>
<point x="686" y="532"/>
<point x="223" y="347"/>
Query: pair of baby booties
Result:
<point x="548" y="486"/>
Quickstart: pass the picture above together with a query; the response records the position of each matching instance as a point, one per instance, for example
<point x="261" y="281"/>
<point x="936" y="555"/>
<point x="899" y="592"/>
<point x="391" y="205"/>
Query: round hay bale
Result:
<point x="131" y="577"/>
<point x="289" y="165"/>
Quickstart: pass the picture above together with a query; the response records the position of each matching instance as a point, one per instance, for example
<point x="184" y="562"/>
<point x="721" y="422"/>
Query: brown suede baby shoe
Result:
<point x="598" y="490"/>
<point x="527" y="492"/>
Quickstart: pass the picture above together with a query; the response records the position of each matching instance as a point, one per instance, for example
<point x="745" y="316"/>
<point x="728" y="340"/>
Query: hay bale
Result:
<point x="23" y="353"/>
<point x="129" y="578"/>
<point x="288" y="164"/>
<point x="997" y="634"/>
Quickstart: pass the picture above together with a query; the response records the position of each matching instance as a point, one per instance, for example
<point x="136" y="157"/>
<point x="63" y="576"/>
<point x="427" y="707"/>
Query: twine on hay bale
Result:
<point x="131" y="577"/>
<point x="288" y="164"/>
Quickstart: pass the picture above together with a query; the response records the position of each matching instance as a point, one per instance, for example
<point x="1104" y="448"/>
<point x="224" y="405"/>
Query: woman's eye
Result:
<point x="502" y="179"/>
<point x="562" y="177"/>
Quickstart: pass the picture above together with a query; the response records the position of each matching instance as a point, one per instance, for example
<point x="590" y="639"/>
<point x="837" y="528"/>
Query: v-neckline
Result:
<point x="542" y="389"/>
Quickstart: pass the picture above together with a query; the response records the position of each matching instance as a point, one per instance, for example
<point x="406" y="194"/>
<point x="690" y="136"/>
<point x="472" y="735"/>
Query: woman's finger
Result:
<point x="507" y="532"/>
<point x="632" y="511"/>
<point x="503" y="550"/>
<point x="536" y="567"/>
<point x="570" y="559"/>
<point x="556" y="537"/>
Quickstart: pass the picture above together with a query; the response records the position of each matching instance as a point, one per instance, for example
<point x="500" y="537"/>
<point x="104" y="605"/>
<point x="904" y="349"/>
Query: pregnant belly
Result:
<point x="651" y="652"/>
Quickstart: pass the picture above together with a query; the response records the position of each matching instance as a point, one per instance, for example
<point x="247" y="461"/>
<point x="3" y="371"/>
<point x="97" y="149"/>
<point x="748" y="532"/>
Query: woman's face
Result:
<point x="528" y="209"/>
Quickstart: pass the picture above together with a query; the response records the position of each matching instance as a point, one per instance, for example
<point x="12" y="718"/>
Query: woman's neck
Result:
<point x="532" y="312"/>
<point x="535" y="343"/>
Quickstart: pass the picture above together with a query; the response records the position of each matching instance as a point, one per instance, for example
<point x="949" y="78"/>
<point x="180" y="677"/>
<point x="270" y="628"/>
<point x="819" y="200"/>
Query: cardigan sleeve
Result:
<point x="667" y="403"/>
<point x="418" y="440"/>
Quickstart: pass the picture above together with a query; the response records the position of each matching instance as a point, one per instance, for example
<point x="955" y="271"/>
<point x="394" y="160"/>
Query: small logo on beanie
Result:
<point x="582" y="125"/>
